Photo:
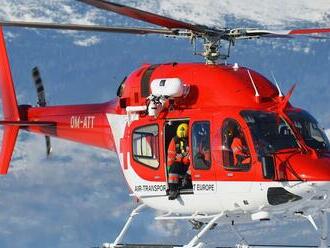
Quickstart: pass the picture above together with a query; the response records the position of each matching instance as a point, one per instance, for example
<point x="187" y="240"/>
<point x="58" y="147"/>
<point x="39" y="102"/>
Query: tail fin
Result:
<point x="10" y="109"/>
<point x="8" y="143"/>
<point x="8" y="95"/>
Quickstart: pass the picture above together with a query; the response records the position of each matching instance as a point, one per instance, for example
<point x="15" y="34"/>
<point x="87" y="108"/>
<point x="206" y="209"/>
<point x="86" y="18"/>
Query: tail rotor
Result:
<point x="41" y="100"/>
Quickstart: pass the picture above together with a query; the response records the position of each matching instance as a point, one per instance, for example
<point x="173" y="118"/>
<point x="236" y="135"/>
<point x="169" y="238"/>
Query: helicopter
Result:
<point x="287" y="173"/>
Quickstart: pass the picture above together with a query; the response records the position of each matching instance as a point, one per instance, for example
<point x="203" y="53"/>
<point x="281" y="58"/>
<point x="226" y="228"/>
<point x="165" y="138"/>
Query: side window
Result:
<point x="145" y="146"/>
<point x="235" y="152"/>
<point x="201" y="152"/>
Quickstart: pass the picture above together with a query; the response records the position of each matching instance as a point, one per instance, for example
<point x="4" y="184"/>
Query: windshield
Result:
<point x="270" y="133"/>
<point x="308" y="127"/>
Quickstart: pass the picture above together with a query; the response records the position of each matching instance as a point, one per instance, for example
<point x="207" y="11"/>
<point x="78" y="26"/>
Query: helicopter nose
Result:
<point x="315" y="172"/>
<point x="310" y="169"/>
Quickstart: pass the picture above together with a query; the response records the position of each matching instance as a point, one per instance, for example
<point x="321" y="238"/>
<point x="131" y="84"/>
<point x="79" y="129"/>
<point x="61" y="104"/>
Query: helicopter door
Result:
<point x="201" y="167"/>
<point x="145" y="159"/>
<point x="170" y="129"/>
<point x="236" y="157"/>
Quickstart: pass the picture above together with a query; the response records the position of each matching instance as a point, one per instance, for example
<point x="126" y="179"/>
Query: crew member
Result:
<point x="240" y="151"/>
<point x="178" y="160"/>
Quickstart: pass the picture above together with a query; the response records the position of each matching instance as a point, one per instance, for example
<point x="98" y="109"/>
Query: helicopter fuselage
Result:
<point x="287" y="169"/>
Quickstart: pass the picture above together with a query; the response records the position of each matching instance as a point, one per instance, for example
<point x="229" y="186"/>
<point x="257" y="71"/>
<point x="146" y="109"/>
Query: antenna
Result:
<point x="253" y="84"/>
<point x="277" y="86"/>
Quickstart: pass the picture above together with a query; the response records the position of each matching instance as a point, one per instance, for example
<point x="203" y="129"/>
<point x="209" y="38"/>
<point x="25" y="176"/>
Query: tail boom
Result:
<point x="85" y="124"/>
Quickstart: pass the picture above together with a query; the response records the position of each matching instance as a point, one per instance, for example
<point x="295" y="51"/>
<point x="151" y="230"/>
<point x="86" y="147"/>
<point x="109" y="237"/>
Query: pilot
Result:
<point x="178" y="160"/>
<point x="240" y="150"/>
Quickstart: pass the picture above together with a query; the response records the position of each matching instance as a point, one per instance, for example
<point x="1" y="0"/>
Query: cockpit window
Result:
<point x="308" y="127"/>
<point x="235" y="151"/>
<point x="270" y="132"/>
<point x="121" y="87"/>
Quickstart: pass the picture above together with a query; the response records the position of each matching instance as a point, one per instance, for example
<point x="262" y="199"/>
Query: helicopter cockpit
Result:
<point x="235" y="151"/>
<point x="308" y="127"/>
<point x="272" y="134"/>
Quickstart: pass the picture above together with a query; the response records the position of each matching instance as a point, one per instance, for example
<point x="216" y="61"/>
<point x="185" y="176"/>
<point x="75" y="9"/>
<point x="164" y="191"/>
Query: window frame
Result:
<point x="304" y="117"/>
<point x="295" y="143"/>
<point x="134" y="156"/>
<point x="192" y="145"/>
<point x="222" y="145"/>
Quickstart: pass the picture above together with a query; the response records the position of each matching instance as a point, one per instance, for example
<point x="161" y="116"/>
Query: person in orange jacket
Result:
<point x="178" y="160"/>
<point x="240" y="151"/>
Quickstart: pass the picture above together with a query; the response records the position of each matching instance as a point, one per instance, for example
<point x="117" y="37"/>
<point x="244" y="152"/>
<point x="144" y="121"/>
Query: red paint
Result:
<point x="8" y="96"/>
<point x="96" y="133"/>
<point x="310" y="31"/>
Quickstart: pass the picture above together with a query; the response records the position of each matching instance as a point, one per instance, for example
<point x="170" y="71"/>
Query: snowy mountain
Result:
<point x="76" y="198"/>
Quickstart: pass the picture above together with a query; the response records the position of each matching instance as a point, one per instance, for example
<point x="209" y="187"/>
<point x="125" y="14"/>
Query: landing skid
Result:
<point x="237" y="246"/>
<point x="272" y="246"/>
<point x="212" y="221"/>
<point x="145" y="246"/>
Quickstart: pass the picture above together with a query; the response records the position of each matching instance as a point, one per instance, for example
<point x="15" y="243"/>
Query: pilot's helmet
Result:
<point x="232" y="132"/>
<point x="182" y="130"/>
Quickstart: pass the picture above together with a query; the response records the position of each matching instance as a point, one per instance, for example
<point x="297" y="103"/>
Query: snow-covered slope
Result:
<point x="213" y="13"/>
<point x="207" y="12"/>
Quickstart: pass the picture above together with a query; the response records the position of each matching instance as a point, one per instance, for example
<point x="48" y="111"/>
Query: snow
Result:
<point x="264" y="13"/>
<point x="279" y="14"/>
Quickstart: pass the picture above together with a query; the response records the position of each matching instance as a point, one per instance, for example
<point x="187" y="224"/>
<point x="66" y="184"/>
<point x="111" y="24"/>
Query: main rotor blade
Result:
<point x="79" y="27"/>
<point x="309" y="31"/>
<point x="145" y="16"/>
<point x="284" y="33"/>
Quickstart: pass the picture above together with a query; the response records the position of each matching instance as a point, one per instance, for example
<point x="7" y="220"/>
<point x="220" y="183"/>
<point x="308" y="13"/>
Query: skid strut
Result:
<point x="194" y="242"/>
<point x="123" y="231"/>
<point x="324" y="230"/>
<point x="242" y="241"/>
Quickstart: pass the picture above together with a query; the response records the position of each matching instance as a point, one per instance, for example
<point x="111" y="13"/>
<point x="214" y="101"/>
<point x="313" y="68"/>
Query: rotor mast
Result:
<point x="212" y="53"/>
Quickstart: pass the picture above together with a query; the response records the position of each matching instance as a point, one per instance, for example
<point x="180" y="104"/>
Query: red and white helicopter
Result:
<point x="288" y="174"/>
